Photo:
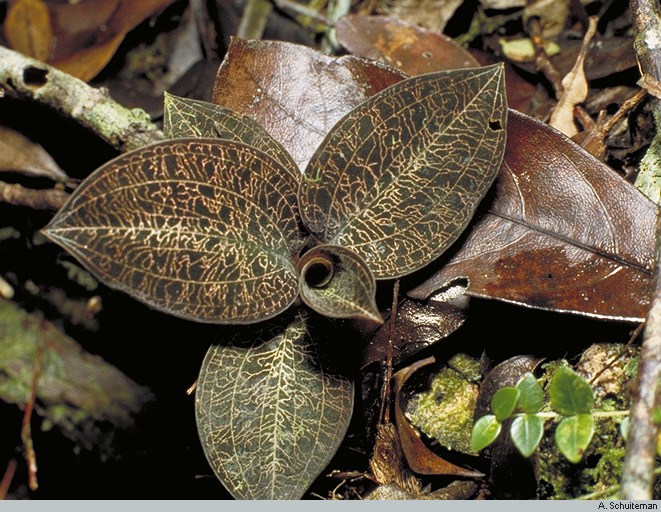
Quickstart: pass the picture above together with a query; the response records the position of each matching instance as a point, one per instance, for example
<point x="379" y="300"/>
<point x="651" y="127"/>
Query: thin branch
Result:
<point x="30" y="79"/>
<point x="7" y="478"/>
<point x="385" y="396"/>
<point x="50" y="199"/>
<point x="638" y="477"/>
<point x="26" y="431"/>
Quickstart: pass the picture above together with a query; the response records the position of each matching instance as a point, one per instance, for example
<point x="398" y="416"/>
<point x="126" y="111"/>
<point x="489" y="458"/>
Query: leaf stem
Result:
<point x="596" y="414"/>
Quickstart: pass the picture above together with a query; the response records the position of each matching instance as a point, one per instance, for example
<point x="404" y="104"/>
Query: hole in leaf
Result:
<point x="35" y="76"/>
<point x="495" y="125"/>
<point x="318" y="272"/>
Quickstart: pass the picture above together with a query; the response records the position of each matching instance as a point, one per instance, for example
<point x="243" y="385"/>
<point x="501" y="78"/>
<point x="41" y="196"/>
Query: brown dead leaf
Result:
<point x="295" y="92"/>
<point x="408" y="47"/>
<point x="419" y="324"/>
<point x="431" y="14"/>
<point x="28" y="28"/>
<point x="85" y="35"/>
<point x="89" y="32"/>
<point x="20" y="154"/>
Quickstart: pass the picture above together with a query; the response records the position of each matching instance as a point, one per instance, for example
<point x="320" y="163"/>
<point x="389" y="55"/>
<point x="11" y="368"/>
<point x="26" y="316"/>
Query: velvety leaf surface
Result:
<point x="272" y="409"/>
<point x="399" y="178"/>
<point x="184" y="117"/>
<point x="563" y="232"/>
<point x="336" y="283"/>
<point x="416" y="51"/>
<point x="406" y="46"/>
<point x="197" y="228"/>
<point x="295" y="92"/>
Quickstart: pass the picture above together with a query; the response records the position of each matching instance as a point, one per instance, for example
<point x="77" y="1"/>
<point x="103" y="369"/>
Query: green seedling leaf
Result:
<point x="504" y="401"/>
<point x="198" y="228"/>
<point x="335" y="282"/>
<point x="526" y="433"/>
<point x="570" y="393"/>
<point x="398" y="178"/>
<point x="485" y="432"/>
<point x="532" y="395"/>
<point x="272" y="409"/>
<point x="184" y="118"/>
<point x="573" y="435"/>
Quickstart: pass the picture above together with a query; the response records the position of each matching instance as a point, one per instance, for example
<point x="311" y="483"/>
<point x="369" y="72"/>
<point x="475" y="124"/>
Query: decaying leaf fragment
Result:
<point x="79" y="38"/>
<point x="561" y="232"/>
<point x="575" y="89"/>
<point x="28" y="28"/>
<point x="272" y="406"/>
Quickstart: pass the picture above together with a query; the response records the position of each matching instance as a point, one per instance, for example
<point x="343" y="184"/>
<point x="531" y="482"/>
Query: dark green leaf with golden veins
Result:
<point x="335" y="282"/>
<point x="272" y="409"/>
<point x="399" y="178"/>
<point x="184" y="117"/>
<point x="198" y="228"/>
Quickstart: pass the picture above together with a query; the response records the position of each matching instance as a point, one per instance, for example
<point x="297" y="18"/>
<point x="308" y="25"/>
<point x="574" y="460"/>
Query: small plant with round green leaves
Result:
<point x="571" y="398"/>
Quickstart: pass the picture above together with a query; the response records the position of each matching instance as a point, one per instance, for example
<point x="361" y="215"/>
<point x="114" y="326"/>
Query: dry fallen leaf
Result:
<point x="78" y="38"/>
<point x="20" y="154"/>
<point x="408" y="47"/>
<point x="28" y="28"/>
<point x="300" y="102"/>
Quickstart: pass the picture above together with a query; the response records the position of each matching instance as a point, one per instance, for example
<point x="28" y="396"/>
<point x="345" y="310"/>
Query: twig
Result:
<point x="594" y="142"/>
<point x="33" y="80"/>
<point x="551" y="72"/>
<point x="7" y="478"/>
<point x="26" y="431"/>
<point x="638" y="476"/>
<point x="49" y="199"/>
<point x="624" y="350"/>
<point x="385" y="397"/>
<point x="253" y="21"/>
<point x="303" y="10"/>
